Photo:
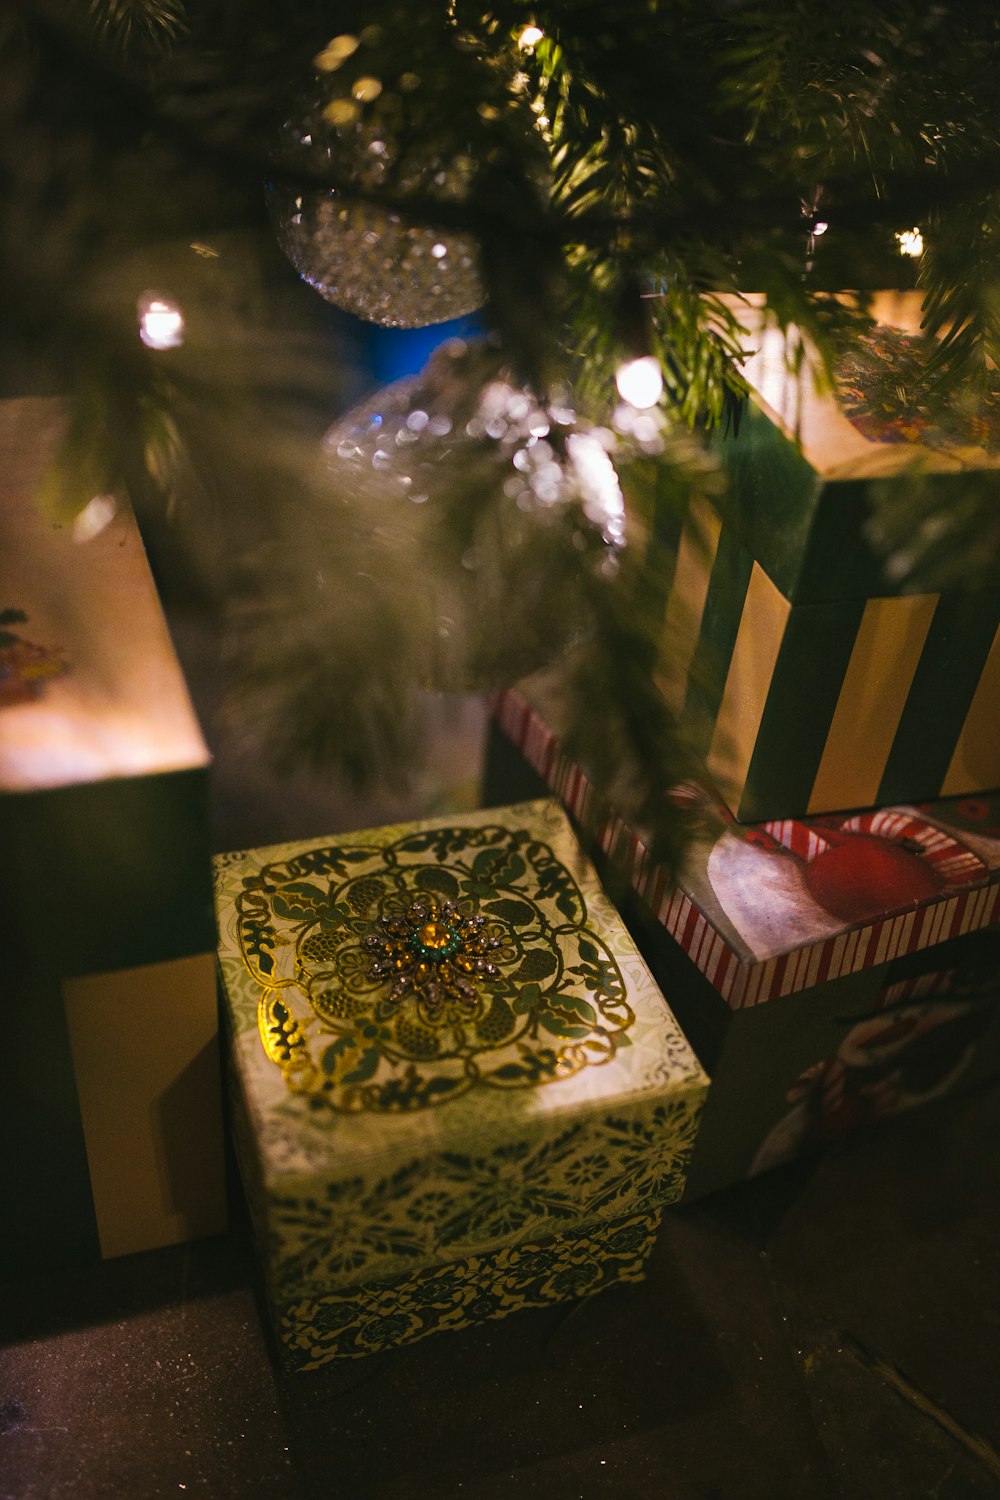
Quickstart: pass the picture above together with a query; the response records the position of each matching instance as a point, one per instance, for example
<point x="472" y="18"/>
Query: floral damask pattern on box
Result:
<point x="396" y="976"/>
<point x="456" y="1204"/>
<point x="315" y="1330"/>
<point x="444" y="1047"/>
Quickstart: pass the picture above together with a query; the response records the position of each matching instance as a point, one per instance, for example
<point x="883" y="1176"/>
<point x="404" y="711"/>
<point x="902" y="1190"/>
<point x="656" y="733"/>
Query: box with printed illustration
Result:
<point x="827" y="971"/>
<point x="110" y="1058"/>
<point x="809" y="673"/>
<point x="457" y="1090"/>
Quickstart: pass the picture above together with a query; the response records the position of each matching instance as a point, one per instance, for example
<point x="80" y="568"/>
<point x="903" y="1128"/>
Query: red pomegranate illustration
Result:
<point x="860" y="875"/>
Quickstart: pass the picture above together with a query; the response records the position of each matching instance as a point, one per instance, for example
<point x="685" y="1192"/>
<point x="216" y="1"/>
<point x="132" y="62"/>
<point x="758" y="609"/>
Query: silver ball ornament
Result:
<point x="370" y="260"/>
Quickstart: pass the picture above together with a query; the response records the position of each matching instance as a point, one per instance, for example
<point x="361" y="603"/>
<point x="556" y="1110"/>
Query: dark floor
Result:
<point x="832" y="1330"/>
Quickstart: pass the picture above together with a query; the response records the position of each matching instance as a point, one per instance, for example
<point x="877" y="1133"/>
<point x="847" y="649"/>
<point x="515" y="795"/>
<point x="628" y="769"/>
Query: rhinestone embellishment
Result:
<point x="436" y="953"/>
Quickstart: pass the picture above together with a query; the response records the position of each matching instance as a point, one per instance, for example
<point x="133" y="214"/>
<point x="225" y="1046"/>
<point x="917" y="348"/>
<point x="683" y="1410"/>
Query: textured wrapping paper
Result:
<point x="804" y="456"/>
<point x="868" y="936"/>
<point x="812" y="677"/>
<point x="782" y="906"/>
<point x="110" y="1060"/>
<point x="445" y="1048"/>
<point x="317" y="1327"/>
<point x="799" y="708"/>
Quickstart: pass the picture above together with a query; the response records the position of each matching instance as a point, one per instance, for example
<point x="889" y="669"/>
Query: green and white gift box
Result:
<point x="457" y="1090"/>
<point x="810" y="674"/>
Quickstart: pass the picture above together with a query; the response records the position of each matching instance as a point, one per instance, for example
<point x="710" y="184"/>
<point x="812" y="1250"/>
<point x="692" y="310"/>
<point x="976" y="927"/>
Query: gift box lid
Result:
<point x="443" y="1040"/>
<point x="90" y="687"/>
<point x="802" y="458"/>
<point x="773" y="908"/>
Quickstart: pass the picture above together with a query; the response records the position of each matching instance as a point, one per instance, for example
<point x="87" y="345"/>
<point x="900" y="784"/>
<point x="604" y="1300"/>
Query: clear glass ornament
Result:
<point x="495" y="506"/>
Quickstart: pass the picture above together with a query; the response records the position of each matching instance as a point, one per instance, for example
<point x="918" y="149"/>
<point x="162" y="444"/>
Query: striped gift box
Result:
<point x="868" y="1010"/>
<point x="802" y="707"/>
<point x="810" y="678"/>
<point x="747" y="963"/>
<point x="110" y="1069"/>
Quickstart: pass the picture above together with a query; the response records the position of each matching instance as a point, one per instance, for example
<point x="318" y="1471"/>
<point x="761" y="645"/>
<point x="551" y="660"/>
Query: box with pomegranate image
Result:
<point x="827" y="971"/>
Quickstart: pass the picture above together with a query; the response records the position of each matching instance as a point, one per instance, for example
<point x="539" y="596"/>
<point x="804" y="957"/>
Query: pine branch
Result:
<point x="137" y="25"/>
<point x="686" y="149"/>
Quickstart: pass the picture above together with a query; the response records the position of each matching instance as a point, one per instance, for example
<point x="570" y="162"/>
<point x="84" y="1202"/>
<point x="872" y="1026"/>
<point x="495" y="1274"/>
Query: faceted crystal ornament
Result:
<point x="375" y="264"/>
<point x="372" y="260"/>
<point x="497" y="503"/>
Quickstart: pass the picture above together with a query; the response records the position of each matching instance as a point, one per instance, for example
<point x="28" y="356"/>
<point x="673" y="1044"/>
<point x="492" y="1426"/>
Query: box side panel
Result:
<point x="974" y="766"/>
<point x="818" y="708"/>
<point x="961" y="644"/>
<point x="109" y="875"/>
<point x="799" y="1072"/>
<point x="771" y="496"/>
<point x="839" y="562"/>
<point x="443" y="1208"/>
<point x="317" y="1328"/>
<point x="748" y="685"/>
<point x="729" y="583"/>
<point x="690" y="570"/>
<point x="875" y="687"/>
<point x="146" y="1062"/>
<point x="815" y="650"/>
<point x="48" y="1210"/>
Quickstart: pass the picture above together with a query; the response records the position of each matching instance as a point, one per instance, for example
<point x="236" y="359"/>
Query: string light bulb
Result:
<point x="161" y="322"/>
<point x="529" y="36"/>
<point x="910" y="241"/>
<point x="640" y="381"/>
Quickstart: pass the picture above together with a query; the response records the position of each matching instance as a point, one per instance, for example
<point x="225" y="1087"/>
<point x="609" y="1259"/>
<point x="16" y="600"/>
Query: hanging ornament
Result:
<point x="377" y="132"/>
<point x="373" y="263"/>
<point x="496" y="505"/>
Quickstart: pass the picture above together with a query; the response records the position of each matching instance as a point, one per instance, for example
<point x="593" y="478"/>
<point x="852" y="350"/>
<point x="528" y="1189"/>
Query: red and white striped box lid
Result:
<point x="770" y="909"/>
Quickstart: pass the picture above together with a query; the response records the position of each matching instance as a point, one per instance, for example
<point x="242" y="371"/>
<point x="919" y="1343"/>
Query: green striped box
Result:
<point x="110" y="1064"/>
<point x="456" y="1088"/>
<point x="807" y="680"/>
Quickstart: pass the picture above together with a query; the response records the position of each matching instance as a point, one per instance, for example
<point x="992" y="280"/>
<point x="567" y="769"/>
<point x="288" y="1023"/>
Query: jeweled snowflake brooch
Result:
<point x="435" y="953"/>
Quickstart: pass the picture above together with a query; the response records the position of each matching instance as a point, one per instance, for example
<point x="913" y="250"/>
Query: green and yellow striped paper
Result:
<point x="801" y="708"/>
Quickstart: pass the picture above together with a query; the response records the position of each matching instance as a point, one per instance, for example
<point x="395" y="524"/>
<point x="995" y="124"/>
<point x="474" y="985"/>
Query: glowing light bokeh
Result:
<point x="640" y="381"/>
<point x="161" y="322"/>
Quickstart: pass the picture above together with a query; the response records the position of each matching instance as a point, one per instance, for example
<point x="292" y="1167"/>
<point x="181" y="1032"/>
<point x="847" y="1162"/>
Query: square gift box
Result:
<point x="457" y="1090"/>
<point x="809" y="677"/>
<point x="111" y="1099"/>
<point x="827" y="971"/>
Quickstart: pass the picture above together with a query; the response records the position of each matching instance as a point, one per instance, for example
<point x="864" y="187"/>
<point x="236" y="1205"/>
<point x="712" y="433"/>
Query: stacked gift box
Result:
<point x="110" y="1104"/>
<point x="810" y="674"/>
<point x="835" y="997"/>
<point x="457" y="1090"/>
<point x="830" y="946"/>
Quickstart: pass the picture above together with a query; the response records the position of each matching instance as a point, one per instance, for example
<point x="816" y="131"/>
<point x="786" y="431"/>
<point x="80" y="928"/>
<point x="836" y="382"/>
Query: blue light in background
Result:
<point x="392" y="353"/>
